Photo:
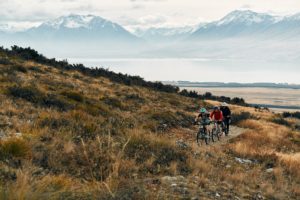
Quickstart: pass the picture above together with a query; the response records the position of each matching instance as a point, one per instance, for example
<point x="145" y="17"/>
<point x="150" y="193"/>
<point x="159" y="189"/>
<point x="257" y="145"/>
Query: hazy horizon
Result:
<point x="197" y="70"/>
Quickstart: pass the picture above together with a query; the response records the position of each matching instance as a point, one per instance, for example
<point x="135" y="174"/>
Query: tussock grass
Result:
<point x="86" y="137"/>
<point x="14" y="148"/>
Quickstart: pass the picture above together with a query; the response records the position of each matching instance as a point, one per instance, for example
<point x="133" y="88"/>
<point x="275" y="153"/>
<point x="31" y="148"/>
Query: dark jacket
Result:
<point x="226" y="111"/>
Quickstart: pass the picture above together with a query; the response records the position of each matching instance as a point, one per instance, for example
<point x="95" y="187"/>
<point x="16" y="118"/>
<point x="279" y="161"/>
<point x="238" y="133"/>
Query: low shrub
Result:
<point x="165" y="117"/>
<point x="73" y="95"/>
<point x="35" y="96"/>
<point x="289" y="114"/>
<point x="238" y="117"/>
<point x="27" y="93"/>
<point x="88" y="160"/>
<point x="135" y="97"/>
<point x="19" y="68"/>
<point x="54" y="123"/>
<point x="35" y="69"/>
<point x="280" y="121"/>
<point x="163" y="153"/>
<point x="4" y="61"/>
<point x="114" y="102"/>
<point x="14" y="147"/>
<point x="54" y="101"/>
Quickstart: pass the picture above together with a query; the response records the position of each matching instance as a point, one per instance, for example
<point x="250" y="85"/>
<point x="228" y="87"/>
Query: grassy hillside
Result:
<point x="75" y="133"/>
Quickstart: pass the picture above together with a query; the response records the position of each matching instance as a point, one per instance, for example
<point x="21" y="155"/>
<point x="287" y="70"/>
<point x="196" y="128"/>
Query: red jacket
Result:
<point x="217" y="115"/>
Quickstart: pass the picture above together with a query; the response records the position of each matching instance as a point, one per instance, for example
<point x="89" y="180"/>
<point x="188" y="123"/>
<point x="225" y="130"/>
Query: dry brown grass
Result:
<point x="114" y="136"/>
<point x="292" y="163"/>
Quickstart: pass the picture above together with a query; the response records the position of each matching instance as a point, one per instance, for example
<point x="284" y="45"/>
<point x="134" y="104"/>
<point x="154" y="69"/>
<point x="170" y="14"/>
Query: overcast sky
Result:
<point x="136" y="13"/>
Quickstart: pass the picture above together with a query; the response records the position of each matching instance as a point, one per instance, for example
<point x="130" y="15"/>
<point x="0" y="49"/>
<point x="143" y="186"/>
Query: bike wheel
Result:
<point x="213" y="132"/>
<point x="205" y="136"/>
<point x="206" y="140"/>
<point x="218" y="134"/>
<point x="209" y="136"/>
<point x="198" y="138"/>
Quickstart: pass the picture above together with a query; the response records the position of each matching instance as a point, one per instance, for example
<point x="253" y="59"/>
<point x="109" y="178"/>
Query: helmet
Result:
<point x="216" y="107"/>
<point x="203" y="110"/>
<point x="224" y="104"/>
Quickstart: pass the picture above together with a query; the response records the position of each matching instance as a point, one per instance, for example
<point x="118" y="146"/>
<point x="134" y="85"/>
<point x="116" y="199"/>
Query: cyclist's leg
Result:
<point x="225" y="123"/>
<point x="219" y="126"/>
<point x="228" y="124"/>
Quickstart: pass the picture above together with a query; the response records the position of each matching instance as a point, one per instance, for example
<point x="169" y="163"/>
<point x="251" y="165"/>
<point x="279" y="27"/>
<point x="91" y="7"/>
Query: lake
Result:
<point x="199" y="70"/>
<point x="274" y="97"/>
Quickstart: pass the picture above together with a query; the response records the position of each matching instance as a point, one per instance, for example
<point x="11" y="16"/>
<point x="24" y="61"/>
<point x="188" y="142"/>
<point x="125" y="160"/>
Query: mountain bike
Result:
<point x="217" y="131"/>
<point x="203" y="133"/>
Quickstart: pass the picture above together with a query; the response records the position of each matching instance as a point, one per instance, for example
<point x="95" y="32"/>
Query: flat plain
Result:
<point x="276" y="97"/>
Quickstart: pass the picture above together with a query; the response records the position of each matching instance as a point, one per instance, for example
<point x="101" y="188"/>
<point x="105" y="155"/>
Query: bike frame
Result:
<point x="217" y="125"/>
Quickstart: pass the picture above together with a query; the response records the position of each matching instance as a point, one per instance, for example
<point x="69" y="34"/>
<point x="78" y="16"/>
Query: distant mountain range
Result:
<point x="248" y="24"/>
<point x="165" y="35"/>
<point x="87" y="27"/>
<point x="76" y="35"/>
<point x="239" y="35"/>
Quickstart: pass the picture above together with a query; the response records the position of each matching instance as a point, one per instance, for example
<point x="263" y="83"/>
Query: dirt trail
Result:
<point x="188" y="135"/>
<point x="234" y="132"/>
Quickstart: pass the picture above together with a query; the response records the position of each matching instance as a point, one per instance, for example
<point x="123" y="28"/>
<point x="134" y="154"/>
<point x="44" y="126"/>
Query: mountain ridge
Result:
<point x="236" y="35"/>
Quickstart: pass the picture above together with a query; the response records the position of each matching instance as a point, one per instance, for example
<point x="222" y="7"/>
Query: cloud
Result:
<point x="136" y="12"/>
<point x="148" y="0"/>
<point x="246" y="7"/>
<point x="144" y="21"/>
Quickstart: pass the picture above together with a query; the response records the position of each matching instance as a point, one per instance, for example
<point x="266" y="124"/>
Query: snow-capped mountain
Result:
<point x="247" y="18"/>
<point x="77" y="35"/>
<point x="246" y="23"/>
<point x="88" y="27"/>
<point x="238" y="35"/>
<point x="74" y="21"/>
<point x="164" y="34"/>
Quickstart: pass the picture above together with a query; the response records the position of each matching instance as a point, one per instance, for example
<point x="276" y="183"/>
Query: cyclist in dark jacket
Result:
<point x="226" y="116"/>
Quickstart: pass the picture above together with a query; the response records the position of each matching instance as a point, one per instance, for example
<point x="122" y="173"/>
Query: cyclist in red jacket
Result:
<point x="216" y="114"/>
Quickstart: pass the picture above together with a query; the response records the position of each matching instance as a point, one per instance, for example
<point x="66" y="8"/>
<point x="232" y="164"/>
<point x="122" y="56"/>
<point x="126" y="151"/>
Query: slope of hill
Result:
<point x="68" y="133"/>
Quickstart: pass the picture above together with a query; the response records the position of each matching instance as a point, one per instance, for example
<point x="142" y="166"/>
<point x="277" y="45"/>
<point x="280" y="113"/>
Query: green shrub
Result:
<point x="37" y="97"/>
<point x="28" y="93"/>
<point x="114" y="102"/>
<point x="54" y="101"/>
<point x="135" y="97"/>
<point x="165" y="117"/>
<point x="280" y="121"/>
<point x="14" y="147"/>
<point x="4" y="61"/>
<point x="35" y="69"/>
<point x="236" y="118"/>
<point x="164" y="153"/>
<point x="19" y="68"/>
<point x="54" y="123"/>
<point x="289" y="114"/>
<point x="73" y="95"/>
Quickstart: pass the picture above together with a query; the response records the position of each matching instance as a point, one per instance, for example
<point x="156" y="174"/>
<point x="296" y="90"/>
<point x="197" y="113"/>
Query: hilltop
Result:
<point x="70" y="132"/>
